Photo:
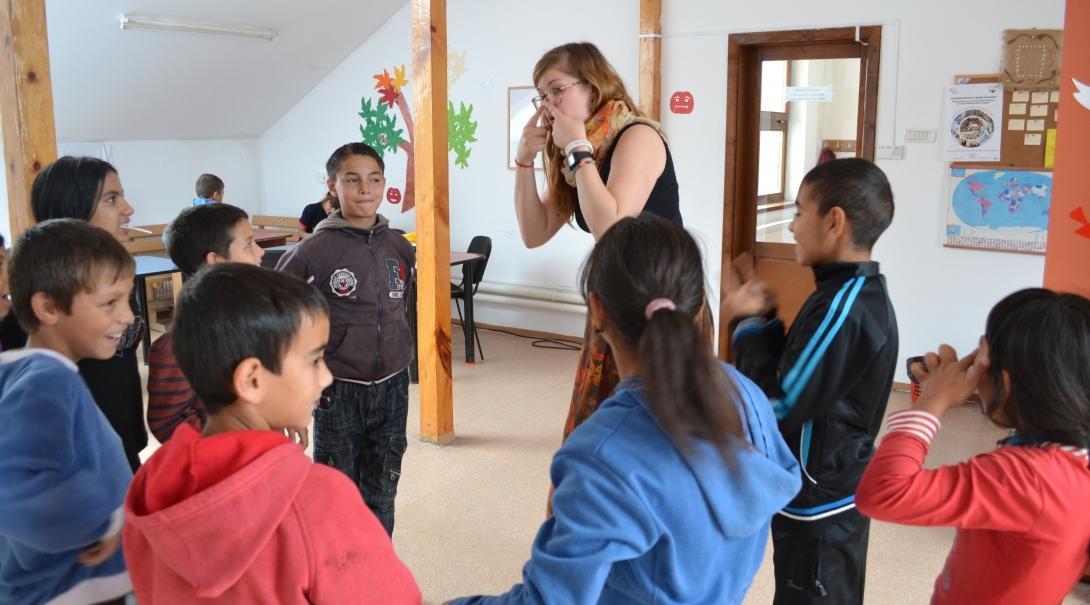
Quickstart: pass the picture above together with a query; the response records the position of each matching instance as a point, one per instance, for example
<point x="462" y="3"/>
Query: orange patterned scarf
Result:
<point x="603" y="127"/>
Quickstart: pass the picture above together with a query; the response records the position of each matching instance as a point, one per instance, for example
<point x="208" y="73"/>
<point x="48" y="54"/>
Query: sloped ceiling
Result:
<point x="111" y="85"/>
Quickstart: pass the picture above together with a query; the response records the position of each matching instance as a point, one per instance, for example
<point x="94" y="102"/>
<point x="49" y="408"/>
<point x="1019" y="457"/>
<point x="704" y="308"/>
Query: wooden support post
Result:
<point x="429" y="26"/>
<point x="26" y="104"/>
<point x="651" y="58"/>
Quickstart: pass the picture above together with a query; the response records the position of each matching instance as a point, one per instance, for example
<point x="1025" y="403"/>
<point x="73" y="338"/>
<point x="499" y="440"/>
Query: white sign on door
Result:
<point x="822" y="94"/>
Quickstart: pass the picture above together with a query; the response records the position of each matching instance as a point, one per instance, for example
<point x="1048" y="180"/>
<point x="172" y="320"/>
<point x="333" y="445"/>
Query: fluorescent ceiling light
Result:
<point x="170" y="24"/>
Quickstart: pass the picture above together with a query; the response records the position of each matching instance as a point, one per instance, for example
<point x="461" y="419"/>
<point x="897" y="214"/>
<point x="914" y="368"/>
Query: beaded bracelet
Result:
<point x="580" y="143"/>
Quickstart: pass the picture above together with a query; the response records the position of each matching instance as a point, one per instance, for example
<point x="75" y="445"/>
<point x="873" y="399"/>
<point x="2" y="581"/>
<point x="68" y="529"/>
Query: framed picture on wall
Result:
<point x="998" y="209"/>
<point x="519" y="109"/>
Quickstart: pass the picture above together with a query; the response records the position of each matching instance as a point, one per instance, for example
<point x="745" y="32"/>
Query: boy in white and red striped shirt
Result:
<point x="1023" y="532"/>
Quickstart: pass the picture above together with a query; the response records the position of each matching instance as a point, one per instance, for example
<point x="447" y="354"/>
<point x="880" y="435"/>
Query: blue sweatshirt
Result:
<point x="64" y="476"/>
<point x="635" y="521"/>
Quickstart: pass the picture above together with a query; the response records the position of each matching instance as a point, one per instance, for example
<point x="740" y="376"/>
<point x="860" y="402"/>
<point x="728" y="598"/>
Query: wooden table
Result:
<point x="267" y="238"/>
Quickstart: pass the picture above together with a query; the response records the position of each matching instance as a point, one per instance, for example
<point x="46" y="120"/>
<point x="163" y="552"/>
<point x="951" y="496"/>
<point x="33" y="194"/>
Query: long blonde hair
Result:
<point x="585" y="62"/>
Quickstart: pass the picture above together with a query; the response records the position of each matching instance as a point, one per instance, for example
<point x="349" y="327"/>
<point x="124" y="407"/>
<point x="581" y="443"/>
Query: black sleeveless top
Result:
<point x="663" y="199"/>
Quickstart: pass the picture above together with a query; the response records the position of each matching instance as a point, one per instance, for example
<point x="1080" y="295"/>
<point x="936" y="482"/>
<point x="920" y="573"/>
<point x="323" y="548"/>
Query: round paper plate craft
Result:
<point x="972" y="127"/>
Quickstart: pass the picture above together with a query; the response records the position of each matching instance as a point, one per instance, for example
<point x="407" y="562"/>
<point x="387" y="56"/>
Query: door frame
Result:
<point x="744" y="55"/>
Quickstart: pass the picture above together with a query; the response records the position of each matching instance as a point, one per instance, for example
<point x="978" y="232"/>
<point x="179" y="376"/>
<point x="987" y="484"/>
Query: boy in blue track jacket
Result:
<point x="828" y="377"/>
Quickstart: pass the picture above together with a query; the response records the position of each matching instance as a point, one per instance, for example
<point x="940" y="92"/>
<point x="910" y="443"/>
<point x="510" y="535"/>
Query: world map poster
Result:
<point x="999" y="210"/>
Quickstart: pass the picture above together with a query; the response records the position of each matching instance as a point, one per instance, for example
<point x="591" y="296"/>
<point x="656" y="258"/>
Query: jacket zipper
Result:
<point x="379" y="299"/>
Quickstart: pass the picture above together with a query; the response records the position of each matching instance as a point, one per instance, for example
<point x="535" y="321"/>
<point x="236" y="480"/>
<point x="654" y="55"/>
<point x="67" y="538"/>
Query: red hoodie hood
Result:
<point x="196" y="491"/>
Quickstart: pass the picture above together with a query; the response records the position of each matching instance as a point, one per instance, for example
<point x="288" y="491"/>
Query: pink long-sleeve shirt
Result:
<point x="1021" y="513"/>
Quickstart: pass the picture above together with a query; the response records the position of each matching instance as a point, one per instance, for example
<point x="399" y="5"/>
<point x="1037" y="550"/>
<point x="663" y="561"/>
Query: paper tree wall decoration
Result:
<point x="456" y="67"/>
<point x="380" y="129"/>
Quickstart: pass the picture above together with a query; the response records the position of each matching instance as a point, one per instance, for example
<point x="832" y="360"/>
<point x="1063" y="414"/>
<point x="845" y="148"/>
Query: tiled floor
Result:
<point x="467" y="512"/>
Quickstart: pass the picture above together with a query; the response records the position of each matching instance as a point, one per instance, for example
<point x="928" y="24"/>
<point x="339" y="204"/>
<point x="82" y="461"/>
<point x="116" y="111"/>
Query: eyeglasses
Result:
<point x="553" y="92"/>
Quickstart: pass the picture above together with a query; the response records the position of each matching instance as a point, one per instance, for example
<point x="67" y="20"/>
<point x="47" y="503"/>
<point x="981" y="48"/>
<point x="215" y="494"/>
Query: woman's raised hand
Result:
<point x="533" y="139"/>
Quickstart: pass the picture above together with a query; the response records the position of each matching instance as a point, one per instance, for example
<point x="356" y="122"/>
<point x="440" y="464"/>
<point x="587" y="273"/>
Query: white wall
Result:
<point x="940" y="294"/>
<point x="159" y="176"/>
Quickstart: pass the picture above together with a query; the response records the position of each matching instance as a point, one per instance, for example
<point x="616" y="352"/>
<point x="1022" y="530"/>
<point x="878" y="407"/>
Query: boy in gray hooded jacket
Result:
<point x="363" y="269"/>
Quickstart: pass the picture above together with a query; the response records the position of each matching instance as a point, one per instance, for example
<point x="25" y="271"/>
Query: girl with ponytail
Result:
<point x="666" y="492"/>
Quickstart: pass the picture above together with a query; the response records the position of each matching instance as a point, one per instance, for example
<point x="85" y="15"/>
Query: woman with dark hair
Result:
<point x="318" y="211"/>
<point x="666" y="493"/>
<point x="83" y="188"/>
<point x="603" y="161"/>
<point x="1020" y="510"/>
<point x="89" y="189"/>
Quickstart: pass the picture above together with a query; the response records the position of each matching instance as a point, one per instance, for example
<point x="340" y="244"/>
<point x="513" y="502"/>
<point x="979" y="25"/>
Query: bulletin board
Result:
<point x="1028" y="117"/>
<point x="1004" y="205"/>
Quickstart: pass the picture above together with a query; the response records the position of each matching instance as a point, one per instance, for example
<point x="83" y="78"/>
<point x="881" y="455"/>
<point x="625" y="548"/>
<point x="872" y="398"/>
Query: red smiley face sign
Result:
<point x="681" y="102"/>
<point x="393" y="195"/>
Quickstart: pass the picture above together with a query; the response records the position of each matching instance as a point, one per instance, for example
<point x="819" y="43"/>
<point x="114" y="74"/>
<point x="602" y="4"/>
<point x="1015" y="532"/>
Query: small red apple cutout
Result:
<point x="681" y="102"/>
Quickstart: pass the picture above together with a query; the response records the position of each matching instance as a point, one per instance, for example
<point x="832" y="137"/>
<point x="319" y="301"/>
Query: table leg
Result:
<point x="142" y="302"/>
<point x="467" y="325"/>
<point x="410" y="309"/>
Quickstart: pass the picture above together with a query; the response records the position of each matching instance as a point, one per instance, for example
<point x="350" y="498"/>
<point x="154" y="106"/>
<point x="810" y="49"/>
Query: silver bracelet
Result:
<point x="580" y="143"/>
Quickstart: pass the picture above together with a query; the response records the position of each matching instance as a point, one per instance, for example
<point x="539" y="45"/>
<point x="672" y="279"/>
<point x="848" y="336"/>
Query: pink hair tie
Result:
<point x="657" y="305"/>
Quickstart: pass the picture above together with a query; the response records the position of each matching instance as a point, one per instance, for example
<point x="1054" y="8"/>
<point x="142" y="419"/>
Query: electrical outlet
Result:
<point x="320" y="177"/>
<point x="919" y="135"/>
<point x="889" y="152"/>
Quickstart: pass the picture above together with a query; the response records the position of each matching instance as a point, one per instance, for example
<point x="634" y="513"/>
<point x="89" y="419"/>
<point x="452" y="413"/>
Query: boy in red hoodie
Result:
<point x="240" y="514"/>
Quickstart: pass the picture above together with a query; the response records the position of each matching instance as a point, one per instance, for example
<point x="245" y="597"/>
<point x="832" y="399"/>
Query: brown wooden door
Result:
<point x="772" y="141"/>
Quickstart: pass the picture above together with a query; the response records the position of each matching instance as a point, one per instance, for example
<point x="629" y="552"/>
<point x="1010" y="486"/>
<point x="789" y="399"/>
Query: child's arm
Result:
<point x="758" y="343"/>
<point x="54" y="499"/>
<point x="757" y="334"/>
<point x="597" y="521"/>
<point x="991" y="491"/>
<point x="294" y="263"/>
<point x="171" y="400"/>
<point x="829" y="352"/>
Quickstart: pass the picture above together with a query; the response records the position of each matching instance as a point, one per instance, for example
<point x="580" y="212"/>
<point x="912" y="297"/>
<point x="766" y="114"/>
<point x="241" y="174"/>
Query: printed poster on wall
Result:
<point x="973" y="125"/>
<point x="999" y="210"/>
